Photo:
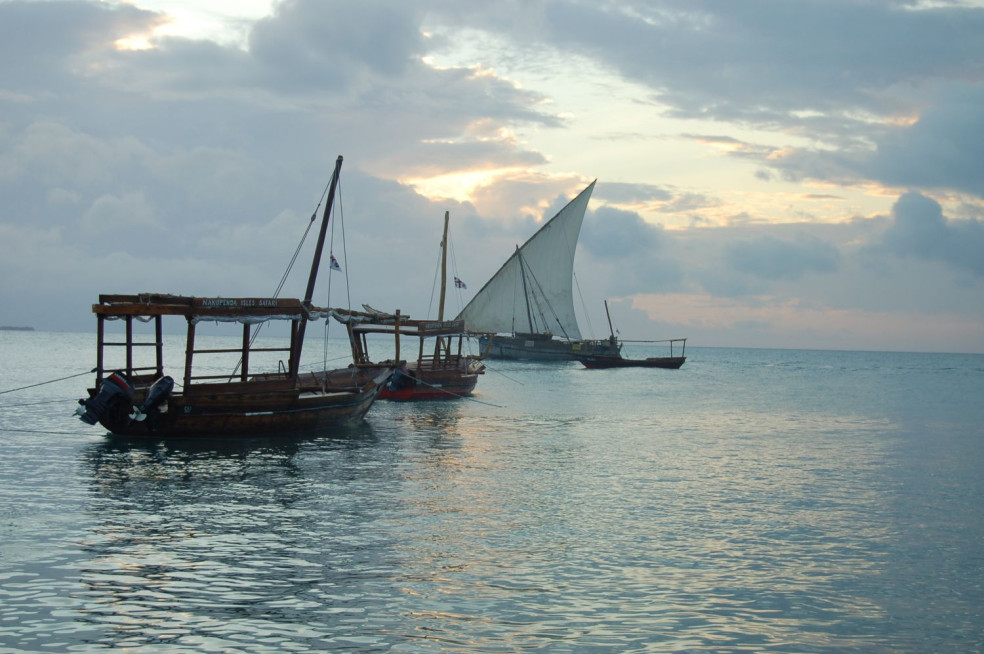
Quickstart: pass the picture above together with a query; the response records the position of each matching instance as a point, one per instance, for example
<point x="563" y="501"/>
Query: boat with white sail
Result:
<point x="526" y="310"/>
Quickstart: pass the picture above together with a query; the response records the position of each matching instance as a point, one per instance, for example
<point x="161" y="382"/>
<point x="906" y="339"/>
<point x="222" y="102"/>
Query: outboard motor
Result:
<point x="156" y="401"/>
<point x="115" y="391"/>
<point x="402" y="378"/>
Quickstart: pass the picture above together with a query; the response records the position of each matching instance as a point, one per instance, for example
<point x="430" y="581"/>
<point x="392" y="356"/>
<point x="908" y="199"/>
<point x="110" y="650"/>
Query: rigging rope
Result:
<point x="348" y="291"/>
<point x="341" y="221"/>
<point x="584" y="307"/>
<point x="536" y="300"/>
<point x="283" y="278"/>
<point x="499" y="372"/>
<point x="290" y="266"/>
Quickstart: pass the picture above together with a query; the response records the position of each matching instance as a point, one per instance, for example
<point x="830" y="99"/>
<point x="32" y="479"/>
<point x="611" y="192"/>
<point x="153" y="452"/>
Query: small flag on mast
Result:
<point x="458" y="283"/>
<point x="334" y="263"/>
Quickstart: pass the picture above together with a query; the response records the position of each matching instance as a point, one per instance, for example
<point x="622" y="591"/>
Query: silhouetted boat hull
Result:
<point x="542" y="347"/>
<point x="599" y="361"/>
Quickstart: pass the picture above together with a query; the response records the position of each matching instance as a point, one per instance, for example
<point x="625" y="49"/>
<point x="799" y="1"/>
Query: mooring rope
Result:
<point x="499" y="372"/>
<point x="6" y="405"/>
<point x="52" y="381"/>
<point x="43" y="431"/>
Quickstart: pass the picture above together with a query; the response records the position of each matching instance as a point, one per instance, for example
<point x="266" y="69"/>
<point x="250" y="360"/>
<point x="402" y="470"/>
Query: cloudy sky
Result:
<point x="777" y="173"/>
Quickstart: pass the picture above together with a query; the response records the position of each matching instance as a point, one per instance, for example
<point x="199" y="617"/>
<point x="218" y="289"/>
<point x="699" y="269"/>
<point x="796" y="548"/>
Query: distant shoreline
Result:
<point x="8" y="328"/>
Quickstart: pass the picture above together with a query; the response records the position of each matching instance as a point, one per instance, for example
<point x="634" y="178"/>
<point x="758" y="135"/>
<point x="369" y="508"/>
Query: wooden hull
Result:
<point x="595" y="362"/>
<point x="432" y="389"/>
<point x="537" y="348"/>
<point x="216" y="411"/>
<point x="433" y="384"/>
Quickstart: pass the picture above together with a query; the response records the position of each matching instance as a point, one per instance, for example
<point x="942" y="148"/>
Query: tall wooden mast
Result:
<point x="444" y="266"/>
<point x="298" y="340"/>
<point x="440" y="343"/>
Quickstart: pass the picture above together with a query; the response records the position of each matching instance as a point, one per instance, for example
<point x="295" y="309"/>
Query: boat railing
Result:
<point x="672" y="341"/>
<point x="261" y="384"/>
<point x="440" y="362"/>
<point x="683" y="347"/>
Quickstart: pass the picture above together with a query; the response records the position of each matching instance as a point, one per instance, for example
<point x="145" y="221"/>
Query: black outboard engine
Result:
<point x="156" y="401"/>
<point x="402" y="378"/>
<point x="114" y="394"/>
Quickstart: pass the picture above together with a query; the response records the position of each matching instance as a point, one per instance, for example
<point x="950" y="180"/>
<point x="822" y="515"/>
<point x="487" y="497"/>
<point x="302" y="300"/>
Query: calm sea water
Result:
<point x="755" y="500"/>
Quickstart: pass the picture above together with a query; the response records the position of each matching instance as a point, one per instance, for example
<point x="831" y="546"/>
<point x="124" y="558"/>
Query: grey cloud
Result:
<point x="306" y="43"/>
<point x="623" y="193"/>
<point x="764" y="59"/>
<point x="944" y="149"/>
<point x="380" y="36"/>
<point x="110" y="214"/>
<point x="635" y="255"/>
<point x="687" y="203"/>
<point x="658" y="198"/>
<point x="50" y="41"/>
<point x="774" y="259"/>
<point x="720" y="284"/>
<point x="615" y="233"/>
<point x="919" y="229"/>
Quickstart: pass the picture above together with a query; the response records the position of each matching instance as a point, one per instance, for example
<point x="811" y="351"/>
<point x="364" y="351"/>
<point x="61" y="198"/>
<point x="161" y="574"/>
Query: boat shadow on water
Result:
<point x="120" y="460"/>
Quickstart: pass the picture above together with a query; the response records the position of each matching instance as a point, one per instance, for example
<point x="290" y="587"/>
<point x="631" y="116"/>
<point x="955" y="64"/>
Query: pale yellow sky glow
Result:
<point x="135" y="42"/>
<point x="217" y="20"/>
<point x="456" y="186"/>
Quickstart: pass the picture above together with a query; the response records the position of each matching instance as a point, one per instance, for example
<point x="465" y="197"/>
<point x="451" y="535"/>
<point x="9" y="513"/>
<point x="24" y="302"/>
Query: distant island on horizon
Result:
<point x="9" y="328"/>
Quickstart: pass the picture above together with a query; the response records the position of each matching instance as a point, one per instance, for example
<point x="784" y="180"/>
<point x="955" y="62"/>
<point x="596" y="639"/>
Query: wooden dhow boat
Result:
<point x="601" y="361"/>
<point x="137" y="399"/>
<point x="441" y="369"/>
<point x="616" y="360"/>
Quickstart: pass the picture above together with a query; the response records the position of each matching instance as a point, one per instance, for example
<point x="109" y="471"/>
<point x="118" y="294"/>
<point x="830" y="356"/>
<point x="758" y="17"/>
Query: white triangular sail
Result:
<point x="535" y="283"/>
